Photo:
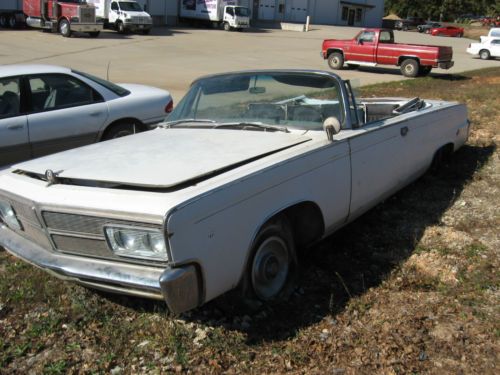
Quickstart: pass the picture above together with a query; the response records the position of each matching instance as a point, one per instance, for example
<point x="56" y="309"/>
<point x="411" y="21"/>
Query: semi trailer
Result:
<point x="11" y="13"/>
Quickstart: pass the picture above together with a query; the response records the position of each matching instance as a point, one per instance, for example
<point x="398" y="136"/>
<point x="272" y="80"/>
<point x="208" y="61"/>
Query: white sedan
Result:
<point x="486" y="49"/>
<point x="45" y="109"/>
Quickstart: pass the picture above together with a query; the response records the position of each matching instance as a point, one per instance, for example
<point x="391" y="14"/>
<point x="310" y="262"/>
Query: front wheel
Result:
<point x="120" y="27"/>
<point x="64" y="28"/>
<point x="484" y="54"/>
<point x="336" y="60"/>
<point x="227" y="27"/>
<point x="410" y="68"/>
<point x="272" y="267"/>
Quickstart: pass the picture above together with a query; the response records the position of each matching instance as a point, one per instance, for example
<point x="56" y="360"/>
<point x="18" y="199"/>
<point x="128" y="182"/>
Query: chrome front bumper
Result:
<point x="86" y="27"/>
<point x="179" y="287"/>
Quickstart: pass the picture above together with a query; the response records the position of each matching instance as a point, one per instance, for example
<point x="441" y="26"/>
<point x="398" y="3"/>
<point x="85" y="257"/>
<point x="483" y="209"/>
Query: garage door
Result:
<point x="267" y="9"/>
<point x="297" y="10"/>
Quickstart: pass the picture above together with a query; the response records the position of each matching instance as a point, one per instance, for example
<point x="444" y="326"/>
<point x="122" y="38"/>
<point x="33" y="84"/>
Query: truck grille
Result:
<point x="87" y="14"/>
<point x="141" y="20"/>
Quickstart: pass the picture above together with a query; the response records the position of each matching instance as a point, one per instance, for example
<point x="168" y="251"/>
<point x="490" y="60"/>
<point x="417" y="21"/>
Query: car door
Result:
<point x="14" y="142"/>
<point x="363" y="49"/>
<point x="495" y="48"/>
<point x="65" y="113"/>
<point x="378" y="164"/>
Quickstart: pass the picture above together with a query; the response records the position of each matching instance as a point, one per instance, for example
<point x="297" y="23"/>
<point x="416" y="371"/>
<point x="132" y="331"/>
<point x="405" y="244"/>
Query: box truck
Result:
<point x="123" y="15"/>
<point x="11" y="13"/>
<point x="63" y="16"/>
<point x="228" y="14"/>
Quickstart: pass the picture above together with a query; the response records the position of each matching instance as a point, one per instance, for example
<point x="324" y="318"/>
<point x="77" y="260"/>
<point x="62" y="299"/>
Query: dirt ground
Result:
<point x="412" y="287"/>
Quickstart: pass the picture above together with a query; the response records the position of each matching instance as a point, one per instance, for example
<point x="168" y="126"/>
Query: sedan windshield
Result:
<point x="118" y="90"/>
<point x="260" y="101"/>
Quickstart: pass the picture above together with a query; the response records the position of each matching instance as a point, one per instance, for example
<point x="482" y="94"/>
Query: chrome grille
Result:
<point x="79" y="245"/>
<point x="141" y="20"/>
<point x="37" y="235"/>
<point x="87" y="14"/>
<point x="90" y="225"/>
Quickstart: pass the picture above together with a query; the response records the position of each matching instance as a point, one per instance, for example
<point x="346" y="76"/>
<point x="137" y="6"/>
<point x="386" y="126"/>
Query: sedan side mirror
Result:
<point x="331" y="126"/>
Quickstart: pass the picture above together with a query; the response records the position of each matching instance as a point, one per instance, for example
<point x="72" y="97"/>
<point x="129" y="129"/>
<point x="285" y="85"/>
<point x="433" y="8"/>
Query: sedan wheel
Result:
<point x="484" y="54"/>
<point x="120" y="130"/>
<point x="270" y="273"/>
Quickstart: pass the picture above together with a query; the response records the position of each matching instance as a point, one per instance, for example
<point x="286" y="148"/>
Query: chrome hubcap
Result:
<point x="64" y="28"/>
<point x="270" y="268"/>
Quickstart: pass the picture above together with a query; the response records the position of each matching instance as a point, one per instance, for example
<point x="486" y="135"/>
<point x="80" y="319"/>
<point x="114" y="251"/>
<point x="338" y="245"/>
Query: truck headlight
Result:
<point x="141" y="243"/>
<point x="8" y="216"/>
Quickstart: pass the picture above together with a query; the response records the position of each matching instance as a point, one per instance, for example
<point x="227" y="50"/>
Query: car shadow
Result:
<point x="345" y="265"/>
<point x="397" y="72"/>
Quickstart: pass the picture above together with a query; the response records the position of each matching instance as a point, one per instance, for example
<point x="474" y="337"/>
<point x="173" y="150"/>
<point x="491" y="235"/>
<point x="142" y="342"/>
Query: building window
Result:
<point x="345" y="11"/>
<point x="359" y="13"/>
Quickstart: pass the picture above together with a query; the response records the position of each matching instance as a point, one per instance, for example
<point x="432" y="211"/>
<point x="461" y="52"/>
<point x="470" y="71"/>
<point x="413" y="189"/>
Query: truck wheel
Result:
<point x="13" y="21"/>
<point x="410" y="68"/>
<point x="94" y="34"/>
<point x="424" y="70"/>
<point x="64" y="28"/>
<point x="336" y="60"/>
<point x="122" y="129"/>
<point x="484" y="54"/>
<point x="272" y="267"/>
<point x="3" y="21"/>
<point x="120" y="27"/>
<point x="227" y="27"/>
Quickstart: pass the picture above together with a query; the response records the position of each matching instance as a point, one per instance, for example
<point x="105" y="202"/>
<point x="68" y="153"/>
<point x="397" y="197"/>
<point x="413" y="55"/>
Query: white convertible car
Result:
<point x="249" y="167"/>
<point x="45" y="109"/>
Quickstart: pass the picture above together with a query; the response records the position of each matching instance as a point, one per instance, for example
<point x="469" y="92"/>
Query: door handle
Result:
<point x="15" y="127"/>
<point x="95" y="114"/>
<point x="404" y="130"/>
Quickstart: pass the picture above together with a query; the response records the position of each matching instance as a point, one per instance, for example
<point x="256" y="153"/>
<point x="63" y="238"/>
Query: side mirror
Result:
<point x="331" y="126"/>
<point x="360" y="41"/>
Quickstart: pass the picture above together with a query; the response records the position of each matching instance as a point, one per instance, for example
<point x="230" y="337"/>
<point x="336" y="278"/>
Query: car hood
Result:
<point x="162" y="158"/>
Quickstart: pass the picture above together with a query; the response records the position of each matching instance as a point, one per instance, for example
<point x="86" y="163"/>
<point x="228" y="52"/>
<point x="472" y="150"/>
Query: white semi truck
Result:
<point x="228" y="14"/>
<point x="123" y="15"/>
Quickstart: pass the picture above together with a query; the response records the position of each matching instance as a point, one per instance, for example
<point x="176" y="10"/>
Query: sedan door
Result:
<point x="14" y="142"/>
<point x="65" y="113"/>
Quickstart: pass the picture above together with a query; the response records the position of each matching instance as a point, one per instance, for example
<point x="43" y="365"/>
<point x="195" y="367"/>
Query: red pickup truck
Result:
<point x="373" y="47"/>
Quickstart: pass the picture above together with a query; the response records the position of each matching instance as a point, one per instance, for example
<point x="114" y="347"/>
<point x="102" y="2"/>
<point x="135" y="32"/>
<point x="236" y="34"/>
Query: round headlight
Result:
<point x="157" y="243"/>
<point x="128" y="240"/>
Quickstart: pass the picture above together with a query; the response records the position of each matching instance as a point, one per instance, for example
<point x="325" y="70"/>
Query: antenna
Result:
<point x="107" y="70"/>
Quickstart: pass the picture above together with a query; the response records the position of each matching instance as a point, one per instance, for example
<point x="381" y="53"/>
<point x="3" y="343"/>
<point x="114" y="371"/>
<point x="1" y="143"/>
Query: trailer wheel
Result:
<point x="64" y="28"/>
<point x="3" y="20"/>
<point x="13" y="21"/>
<point x="94" y="34"/>
<point x="335" y="60"/>
<point x="227" y="27"/>
<point x="410" y="68"/>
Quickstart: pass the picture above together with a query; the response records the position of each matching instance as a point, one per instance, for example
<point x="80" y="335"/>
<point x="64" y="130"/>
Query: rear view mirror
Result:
<point x="331" y="126"/>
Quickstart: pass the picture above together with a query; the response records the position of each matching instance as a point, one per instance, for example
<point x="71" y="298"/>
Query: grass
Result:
<point x="411" y="287"/>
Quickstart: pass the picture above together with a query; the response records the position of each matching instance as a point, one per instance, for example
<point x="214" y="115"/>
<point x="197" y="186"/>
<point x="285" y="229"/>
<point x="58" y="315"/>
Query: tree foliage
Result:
<point x="442" y="9"/>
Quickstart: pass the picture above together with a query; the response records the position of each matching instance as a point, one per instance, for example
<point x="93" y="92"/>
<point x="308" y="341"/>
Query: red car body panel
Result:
<point x="447" y="31"/>
<point x="387" y="53"/>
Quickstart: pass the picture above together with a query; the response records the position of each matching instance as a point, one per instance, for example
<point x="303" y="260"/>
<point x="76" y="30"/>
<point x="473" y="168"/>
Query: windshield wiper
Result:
<point x="256" y="125"/>
<point x="169" y="124"/>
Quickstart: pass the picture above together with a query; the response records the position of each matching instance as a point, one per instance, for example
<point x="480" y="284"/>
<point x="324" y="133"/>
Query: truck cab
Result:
<point x="128" y="15"/>
<point x="236" y="17"/>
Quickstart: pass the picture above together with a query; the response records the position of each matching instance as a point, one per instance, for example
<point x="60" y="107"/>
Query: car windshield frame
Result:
<point x="113" y="87"/>
<point x="241" y="11"/>
<point x="299" y="100"/>
<point x="129" y="6"/>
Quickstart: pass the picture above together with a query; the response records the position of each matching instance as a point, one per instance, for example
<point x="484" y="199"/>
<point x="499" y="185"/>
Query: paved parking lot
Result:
<point x="171" y="58"/>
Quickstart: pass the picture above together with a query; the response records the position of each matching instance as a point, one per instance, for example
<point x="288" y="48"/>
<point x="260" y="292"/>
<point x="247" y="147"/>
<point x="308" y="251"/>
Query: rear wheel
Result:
<point x="119" y="130"/>
<point x="3" y="20"/>
<point x="410" y="68"/>
<point x="64" y="28"/>
<point x="336" y="60"/>
<point x="484" y="54"/>
<point x="13" y="21"/>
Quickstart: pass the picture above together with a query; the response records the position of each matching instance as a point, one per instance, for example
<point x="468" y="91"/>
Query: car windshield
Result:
<point x="241" y="11"/>
<point x="130" y="6"/>
<point x="118" y="90"/>
<point x="271" y="100"/>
